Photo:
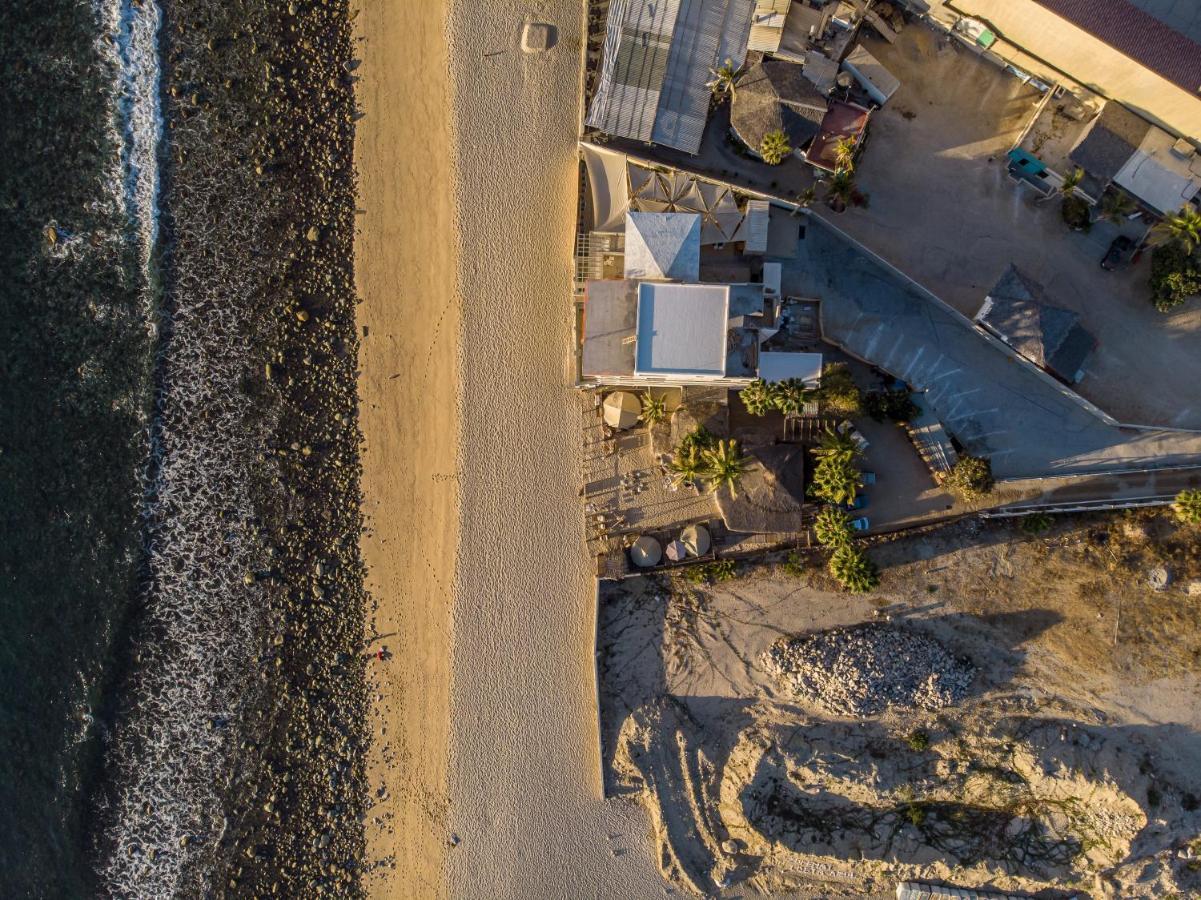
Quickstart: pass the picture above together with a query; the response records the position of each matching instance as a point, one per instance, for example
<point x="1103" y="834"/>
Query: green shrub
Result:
<point x="1187" y="506"/>
<point x="700" y="439"/>
<point x="1036" y="523"/>
<point x="794" y="564"/>
<point x="971" y="478"/>
<point x="918" y="741"/>
<point x="1075" y="212"/>
<point x="853" y="570"/>
<point x="1175" y="276"/>
<point x="895" y="405"/>
<point x="711" y="572"/>
<point x="838" y="394"/>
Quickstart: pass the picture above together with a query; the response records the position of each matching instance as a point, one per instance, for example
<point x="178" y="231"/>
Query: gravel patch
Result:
<point x="865" y="670"/>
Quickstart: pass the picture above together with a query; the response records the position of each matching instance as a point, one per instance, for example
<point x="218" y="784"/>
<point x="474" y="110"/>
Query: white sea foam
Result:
<point x="168" y="761"/>
<point x="129" y="39"/>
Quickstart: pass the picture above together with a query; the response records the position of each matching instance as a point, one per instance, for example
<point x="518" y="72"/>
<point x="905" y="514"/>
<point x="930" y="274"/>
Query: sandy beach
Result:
<point x="524" y="770"/>
<point x="405" y="270"/>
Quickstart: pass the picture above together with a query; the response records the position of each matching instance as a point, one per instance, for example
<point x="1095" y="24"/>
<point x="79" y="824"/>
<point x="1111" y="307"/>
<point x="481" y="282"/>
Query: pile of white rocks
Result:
<point x="864" y="670"/>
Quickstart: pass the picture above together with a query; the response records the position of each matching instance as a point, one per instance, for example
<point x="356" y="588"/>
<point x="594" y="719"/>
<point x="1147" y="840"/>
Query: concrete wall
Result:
<point x="1089" y="61"/>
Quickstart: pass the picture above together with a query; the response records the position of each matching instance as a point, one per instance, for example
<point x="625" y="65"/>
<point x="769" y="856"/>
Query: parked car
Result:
<point x="861" y="524"/>
<point x="869" y="478"/>
<point x="853" y="433"/>
<point x="1118" y="254"/>
<point x="859" y="502"/>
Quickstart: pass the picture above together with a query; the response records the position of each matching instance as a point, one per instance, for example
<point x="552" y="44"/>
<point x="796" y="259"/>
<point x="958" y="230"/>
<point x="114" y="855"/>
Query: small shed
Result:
<point x="877" y="81"/>
<point x="779" y="365"/>
<point x="754" y="228"/>
<point x="1049" y="336"/>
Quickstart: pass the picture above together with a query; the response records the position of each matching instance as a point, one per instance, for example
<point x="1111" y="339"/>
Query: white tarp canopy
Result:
<point x="619" y="184"/>
<point x="646" y="552"/>
<point x="695" y="539"/>
<point x="622" y="410"/>
<point x="607" y="179"/>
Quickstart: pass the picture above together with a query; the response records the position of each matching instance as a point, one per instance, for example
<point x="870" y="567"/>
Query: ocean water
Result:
<point x="182" y="692"/>
<point x="75" y="390"/>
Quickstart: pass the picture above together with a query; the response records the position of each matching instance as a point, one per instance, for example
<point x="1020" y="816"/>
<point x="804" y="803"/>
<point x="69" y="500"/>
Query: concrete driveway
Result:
<point x="943" y="211"/>
<point x="995" y="404"/>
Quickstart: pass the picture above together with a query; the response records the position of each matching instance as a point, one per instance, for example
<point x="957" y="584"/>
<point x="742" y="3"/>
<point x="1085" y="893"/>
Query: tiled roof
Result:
<point x="1111" y="140"/>
<point x="1138" y="35"/>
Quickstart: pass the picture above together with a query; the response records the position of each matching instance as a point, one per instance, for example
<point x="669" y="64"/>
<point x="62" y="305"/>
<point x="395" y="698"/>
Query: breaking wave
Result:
<point x="160" y="817"/>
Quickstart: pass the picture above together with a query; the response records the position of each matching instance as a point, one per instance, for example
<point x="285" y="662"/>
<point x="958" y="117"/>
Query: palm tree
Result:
<point x="833" y="527"/>
<point x="686" y="465"/>
<point x="1069" y="183"/>
<point x="835" y="443"/>
<point x="1116" y="205"/>
<point x="791" y="396"/>
<point x="844" y="155"/>
<point x="724" y="80"/>
<point x="836" y="480"/>
<point x="1184" y="229"/>
<point x="775" y="147"/>
<point x="853" y="570"/>
<point x="840" y="191"/>
<point x="757" y="397"/>
<point x="724" y="465"/>
<point x="654" y="409"/>
<point x="805" y="199"/>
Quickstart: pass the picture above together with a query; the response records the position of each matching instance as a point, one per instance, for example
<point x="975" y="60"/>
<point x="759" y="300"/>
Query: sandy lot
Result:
<point x="410" y="318"/>
<point x="1069" y="762"/>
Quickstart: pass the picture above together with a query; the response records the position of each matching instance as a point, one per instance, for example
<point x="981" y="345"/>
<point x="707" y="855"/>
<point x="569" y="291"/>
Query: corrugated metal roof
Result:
<point x="708" y="32"/>
<point x="1138" y="35"/>
<point x="754" y="231"/>
<point x="767" y="25"/>
<point x="658" y="57"/>
<point x="637" y="49"/>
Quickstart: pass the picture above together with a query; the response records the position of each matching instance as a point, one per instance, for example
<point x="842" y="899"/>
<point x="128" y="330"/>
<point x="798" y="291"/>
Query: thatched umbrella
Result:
<point x="621" y="410"/>
<point x="695" y="539"/>
<point x="646" y="552"/>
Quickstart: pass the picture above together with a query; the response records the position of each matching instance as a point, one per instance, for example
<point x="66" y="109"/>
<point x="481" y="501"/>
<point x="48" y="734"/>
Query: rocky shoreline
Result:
<point x="258" y="209"/>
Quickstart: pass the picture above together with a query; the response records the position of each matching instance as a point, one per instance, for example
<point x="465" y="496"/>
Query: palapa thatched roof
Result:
<point x="773" y="95"/>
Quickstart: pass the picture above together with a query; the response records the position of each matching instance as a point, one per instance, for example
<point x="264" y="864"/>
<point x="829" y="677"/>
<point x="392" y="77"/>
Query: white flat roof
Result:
<point x="1158" y="176"/>
<point x="780" y="366"/>
<point x="681" y="330"/>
